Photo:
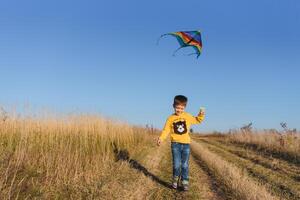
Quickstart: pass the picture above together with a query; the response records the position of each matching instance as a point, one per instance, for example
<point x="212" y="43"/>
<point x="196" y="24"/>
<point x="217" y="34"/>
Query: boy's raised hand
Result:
<point x="202" y="111"/>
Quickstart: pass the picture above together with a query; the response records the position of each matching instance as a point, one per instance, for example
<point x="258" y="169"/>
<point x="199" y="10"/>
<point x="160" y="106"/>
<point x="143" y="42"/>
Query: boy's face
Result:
<point x="179" y="108"/>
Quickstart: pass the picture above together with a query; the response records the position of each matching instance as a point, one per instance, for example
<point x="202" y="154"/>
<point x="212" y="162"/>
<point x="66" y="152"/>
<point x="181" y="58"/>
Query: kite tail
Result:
<point x="157" y="42"/>
<point x="193" y="54"/>
<point x="176" y="51"/>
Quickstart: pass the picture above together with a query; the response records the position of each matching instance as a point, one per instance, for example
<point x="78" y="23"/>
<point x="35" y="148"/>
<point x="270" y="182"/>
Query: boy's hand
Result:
<point x="202" y="111"/>
<point x="158" y="142"/>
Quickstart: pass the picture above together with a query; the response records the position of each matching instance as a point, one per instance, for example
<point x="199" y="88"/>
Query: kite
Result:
<point x="187" y="39"/>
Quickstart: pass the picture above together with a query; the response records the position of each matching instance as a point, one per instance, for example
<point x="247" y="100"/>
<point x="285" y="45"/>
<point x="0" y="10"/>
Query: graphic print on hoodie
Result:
<point x="180" y="127"/>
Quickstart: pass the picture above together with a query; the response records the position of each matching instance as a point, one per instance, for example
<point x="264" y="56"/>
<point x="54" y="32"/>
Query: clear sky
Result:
<point x="101" y="56"/>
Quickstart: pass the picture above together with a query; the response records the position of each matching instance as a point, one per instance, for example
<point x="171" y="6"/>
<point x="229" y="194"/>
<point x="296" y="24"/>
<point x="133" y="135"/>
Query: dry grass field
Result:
<point x="91" y="157"/>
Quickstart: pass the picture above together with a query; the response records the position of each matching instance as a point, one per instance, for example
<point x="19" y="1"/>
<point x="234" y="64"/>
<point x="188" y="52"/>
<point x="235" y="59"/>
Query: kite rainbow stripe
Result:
<point x="188" y="38"/>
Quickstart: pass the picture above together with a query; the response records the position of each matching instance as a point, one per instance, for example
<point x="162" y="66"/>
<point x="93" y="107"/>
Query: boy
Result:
<point x="178" y="124"/>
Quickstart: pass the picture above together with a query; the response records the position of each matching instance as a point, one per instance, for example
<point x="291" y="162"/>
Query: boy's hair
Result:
<point x="180" y="100"/>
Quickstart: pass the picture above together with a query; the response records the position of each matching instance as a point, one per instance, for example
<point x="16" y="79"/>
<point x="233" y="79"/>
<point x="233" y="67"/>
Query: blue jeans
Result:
<point x="180" y="155"/>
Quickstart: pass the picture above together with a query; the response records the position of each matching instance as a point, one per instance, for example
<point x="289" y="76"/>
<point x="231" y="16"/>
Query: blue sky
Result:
<point x="101" y="56"/>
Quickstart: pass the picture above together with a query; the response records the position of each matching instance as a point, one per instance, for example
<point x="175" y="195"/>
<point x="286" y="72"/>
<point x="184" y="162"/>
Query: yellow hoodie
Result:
<point x="178" y="126"/>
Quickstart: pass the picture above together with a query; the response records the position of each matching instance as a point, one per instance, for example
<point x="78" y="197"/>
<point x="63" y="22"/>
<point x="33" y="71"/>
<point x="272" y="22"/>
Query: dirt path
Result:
<point x="280" y="165"/>
<point x="201" y="182"/>
<point x="148" y="176"/>
<point x="201" y="185"/>
<point x="281" y="181"/>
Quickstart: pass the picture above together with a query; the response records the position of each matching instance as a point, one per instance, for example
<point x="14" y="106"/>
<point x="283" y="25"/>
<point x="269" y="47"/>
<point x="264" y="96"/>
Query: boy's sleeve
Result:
<point x="196" y="120"/>
<point x="165" y="131"/>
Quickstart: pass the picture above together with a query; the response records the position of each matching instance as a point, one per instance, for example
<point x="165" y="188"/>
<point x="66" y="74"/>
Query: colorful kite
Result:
<point x="187" y="39"/>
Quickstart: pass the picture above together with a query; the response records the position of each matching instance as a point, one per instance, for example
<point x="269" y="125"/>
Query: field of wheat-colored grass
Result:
<point x="56" y="157"/>
<point x="83" y="156"/>
<point x="289" y="143"/>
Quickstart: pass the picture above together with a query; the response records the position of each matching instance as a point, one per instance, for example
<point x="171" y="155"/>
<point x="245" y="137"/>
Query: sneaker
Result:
<point x="185" y="185"/>
<point x="174" y="185"/>
<point x="175" y="182"/>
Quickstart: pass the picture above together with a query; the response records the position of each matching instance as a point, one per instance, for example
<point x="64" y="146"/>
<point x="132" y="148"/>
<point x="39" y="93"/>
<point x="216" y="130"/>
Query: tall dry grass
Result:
<point x="64" y="157"/>
<point x="273" y="140"/>
<point x="238" y="182"/>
